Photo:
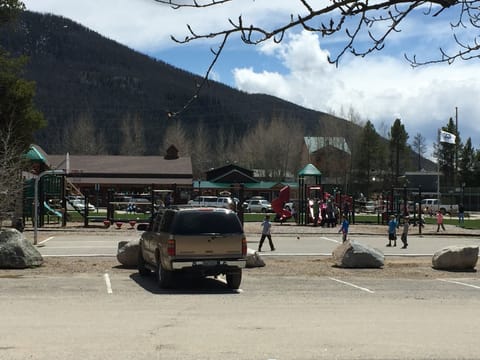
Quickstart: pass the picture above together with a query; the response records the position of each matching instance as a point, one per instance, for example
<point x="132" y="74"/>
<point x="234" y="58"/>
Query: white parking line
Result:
<point x="459" y="283"/>
<point x="79" y="255"/>
<point x="72" y="247"/>
<point x="108" y="283"/>
<point x="328" y="239"/>
<point x="44" y="241"/>
<point x="353" y="285"/>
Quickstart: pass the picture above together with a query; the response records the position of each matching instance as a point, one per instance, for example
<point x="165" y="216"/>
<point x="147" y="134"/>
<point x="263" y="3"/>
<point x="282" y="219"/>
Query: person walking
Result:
<point x="266" y="229"/>
<point x="440" y="221"/>
<point x="404" y="237"/>
<point x="392" y="231"/>
<point x="461" y="214"/>
<point x="344" y="228"/>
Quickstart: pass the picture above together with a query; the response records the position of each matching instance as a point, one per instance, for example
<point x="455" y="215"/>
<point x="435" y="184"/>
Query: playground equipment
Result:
<point x="278" y="204"/>
<point x="52" y="210"/>
<point x="309" y="180"/>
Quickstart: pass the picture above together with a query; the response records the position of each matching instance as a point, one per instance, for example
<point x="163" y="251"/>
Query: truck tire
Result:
<point x="142" y="269"/>
<point x="234" y="278"/>
<point x="164" y="277"/>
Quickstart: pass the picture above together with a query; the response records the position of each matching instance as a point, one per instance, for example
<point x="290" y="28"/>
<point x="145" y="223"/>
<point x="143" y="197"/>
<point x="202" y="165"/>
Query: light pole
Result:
<point x="35" y="210"/>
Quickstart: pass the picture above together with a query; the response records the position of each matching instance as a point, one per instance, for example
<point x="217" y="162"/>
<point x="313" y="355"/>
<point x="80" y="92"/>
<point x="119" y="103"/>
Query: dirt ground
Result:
<point x="395" y="267"/>
<point x="301" y="266"/>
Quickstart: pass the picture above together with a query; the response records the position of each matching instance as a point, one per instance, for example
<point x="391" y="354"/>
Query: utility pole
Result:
<point x="456" y="148"/>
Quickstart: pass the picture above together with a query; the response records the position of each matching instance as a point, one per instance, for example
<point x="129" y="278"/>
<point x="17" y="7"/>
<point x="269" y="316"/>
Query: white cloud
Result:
<point x="147" y="25"/>
<point x="378" y="87"/>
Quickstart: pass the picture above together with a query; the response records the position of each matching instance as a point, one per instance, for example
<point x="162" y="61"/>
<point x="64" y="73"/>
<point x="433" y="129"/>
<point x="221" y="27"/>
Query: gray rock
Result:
<point x="127" y="253"/>
<point x="352" y="254"/>
<point x="254" y="259"/>
<point x="16" y="252"/>
<point x="455" y="257"/>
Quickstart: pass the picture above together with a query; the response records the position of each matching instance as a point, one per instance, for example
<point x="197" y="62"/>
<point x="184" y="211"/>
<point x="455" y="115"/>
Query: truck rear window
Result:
<point x="212" y="222"/>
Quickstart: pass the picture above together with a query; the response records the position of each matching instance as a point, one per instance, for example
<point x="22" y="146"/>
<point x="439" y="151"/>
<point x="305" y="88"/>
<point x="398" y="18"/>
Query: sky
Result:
<point x="379" y="87"/>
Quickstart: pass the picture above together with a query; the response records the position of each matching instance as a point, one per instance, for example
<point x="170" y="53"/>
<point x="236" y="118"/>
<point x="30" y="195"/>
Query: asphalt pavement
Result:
<point x="114" y="313"/>
<point x="289" y="239"/>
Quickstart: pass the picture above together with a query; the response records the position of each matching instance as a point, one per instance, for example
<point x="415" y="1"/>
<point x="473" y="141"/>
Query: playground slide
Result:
<point x="52" y="210"/>
<point x="277" y="204"/>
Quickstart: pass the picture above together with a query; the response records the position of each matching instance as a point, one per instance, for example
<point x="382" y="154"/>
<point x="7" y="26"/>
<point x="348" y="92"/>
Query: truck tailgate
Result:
<point x="208" y="246"/>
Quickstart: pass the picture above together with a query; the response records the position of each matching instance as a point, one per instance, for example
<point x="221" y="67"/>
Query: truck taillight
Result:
<point x="244" y="246"/>
<point x="171" y="247"/>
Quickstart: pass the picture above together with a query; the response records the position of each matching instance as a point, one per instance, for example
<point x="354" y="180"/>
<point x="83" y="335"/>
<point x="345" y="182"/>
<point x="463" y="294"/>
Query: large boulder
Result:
<point x="352" y="254"/>
<point x="455" y="257"/>
<point x="127" y="253"/>
<point x="254" y="259"/>
<point x="16" y="252"/>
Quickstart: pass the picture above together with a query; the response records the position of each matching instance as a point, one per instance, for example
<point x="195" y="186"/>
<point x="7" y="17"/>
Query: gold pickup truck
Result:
<point x="198" y="241"/>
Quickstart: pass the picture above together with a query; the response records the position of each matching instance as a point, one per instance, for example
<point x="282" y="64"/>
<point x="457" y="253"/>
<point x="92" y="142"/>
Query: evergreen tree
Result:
<point x="9" y="10"/>
<point x="368" y="154"/>
<point x="16" y="100"/>
<point x="398" y="149"/>
<point x="467" y="164"/>
<point x="18" y="121"/>
<point x="17" y="112"/>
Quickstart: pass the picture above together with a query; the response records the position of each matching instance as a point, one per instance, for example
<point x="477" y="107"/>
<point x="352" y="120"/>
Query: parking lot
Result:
<point x="299" y="306"/>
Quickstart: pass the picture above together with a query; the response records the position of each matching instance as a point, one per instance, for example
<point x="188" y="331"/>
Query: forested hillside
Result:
<point x="100" y="97"/>
<point x="84" y="79"/>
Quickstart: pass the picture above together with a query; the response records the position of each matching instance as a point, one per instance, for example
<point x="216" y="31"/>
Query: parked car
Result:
<point x="79" y="205"/>
<point x="213" y="201"/>
<point x="140" y="205"/>
<point x="196" y="241"/>
<point x="370" y="207"/>
<point x="431" y="206"/>
<point x="256" y="206"/>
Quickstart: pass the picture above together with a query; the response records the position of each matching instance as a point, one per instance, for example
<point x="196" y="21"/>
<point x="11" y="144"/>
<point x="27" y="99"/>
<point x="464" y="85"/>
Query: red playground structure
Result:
<point x="278" y="204"/>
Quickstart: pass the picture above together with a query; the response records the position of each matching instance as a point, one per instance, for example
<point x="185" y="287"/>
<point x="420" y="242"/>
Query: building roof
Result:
<point x="231" y="173"/>
<point x="36" y="153"/>
<point x="309" y="170"/>
<point x="108" y="169"/>
<point x="262" y="185"/>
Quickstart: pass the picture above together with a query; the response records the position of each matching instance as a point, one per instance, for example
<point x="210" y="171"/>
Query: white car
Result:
<point x="370" y="207"/>
<point x="79" y="205"/>
<point x="213" y="201"/>
<point x="257" y="206"/>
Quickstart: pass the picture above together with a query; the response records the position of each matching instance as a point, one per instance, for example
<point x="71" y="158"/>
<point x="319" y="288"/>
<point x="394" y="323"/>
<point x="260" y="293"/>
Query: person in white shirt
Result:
<point x="266" y="228"/>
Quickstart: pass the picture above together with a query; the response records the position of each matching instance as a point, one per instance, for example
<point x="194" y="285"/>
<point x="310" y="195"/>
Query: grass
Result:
<point x="473" y="224"/>
<point x="76" y="217"/>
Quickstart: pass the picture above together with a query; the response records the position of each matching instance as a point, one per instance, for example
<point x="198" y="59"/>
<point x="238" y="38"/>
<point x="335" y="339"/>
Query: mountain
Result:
<point x="80" y="73"/>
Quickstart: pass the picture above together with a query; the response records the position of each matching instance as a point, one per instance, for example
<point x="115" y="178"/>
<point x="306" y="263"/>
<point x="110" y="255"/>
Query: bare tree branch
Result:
<point x="12" y="163"/>
<point x="376" y="19"/>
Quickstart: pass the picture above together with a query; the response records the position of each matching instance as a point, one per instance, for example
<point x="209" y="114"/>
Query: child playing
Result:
<point x="406" y="224"/>
<point x="344" y="228"/>
<point x="266" y="226"/>
<point x="392" y="231"/>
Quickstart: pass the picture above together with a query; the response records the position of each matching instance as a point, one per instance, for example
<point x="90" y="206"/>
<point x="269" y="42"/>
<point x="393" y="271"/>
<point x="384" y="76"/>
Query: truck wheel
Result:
<point x="234" y="279"/>
<point x="164" y="277"/>
<point x="142" y="269"/>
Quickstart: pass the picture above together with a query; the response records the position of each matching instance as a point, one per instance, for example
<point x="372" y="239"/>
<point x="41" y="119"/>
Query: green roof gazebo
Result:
<point x="308" y="177"/>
